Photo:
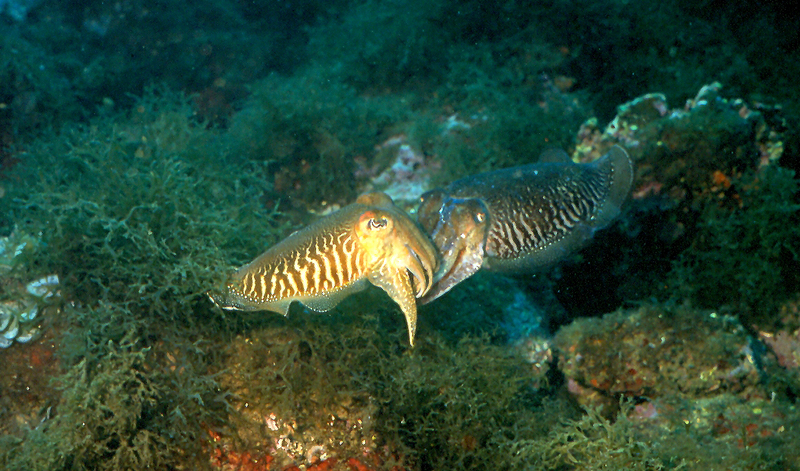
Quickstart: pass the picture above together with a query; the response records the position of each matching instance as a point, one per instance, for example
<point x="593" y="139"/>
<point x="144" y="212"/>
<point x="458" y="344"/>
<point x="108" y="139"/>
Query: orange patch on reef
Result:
<point x="720" y="179"/>
<point x="323" y="465"/>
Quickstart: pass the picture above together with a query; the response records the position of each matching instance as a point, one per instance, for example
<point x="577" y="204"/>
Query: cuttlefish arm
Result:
<point x="458" y="228"/>
<point x="370" y="241"/>
<point x="522" y="218"/>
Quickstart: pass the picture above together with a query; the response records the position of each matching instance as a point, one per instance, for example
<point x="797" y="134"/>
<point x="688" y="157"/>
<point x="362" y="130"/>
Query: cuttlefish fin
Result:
<point x="616" y="162"/>
<point x="233" y="301"/>
<point x="554" y="155"/>
<point x="397" y="283"/>
<point x="328" y="301"/>
<point x="281" y="307"/>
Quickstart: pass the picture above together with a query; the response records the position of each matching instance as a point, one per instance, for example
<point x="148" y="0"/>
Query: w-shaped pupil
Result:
<point x="377" y="223"/>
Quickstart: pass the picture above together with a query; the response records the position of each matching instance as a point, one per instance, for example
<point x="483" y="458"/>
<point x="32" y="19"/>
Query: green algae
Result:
<point x="121" y="408"/>
<point x="341" y="383"/>
<point x="695" y="437"/>
<point x="746" y="255"/>
<point x="96" y="424"/>
<point x="591" y="442"/>
<point x="309" y="129"/>
<point x="139" y="217"/>
<point x="140" y="211"/>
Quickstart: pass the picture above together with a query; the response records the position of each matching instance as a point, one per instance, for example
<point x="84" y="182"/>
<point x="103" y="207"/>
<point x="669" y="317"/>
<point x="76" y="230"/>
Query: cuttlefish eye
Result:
<point x="477" y="210"/>
<point x="377" y="223"/>
<point x="371" y="221"/>
<point x="464" y="214"/>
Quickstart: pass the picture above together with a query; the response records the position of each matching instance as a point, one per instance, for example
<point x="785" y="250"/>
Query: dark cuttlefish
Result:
<point x="521" y="218"/>
<point x="370" y="241"/>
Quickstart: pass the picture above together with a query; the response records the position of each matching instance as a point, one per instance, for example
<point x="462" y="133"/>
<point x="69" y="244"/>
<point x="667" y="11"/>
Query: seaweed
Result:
<point x="384" y="44"/>
<point x="97" y="424"/>
<point x="475" y="90"/>
<point x="308" y="129"/>
<point x="745" y="255"/>
<point x="34" y="94"/>
<point x="592" y="442"/>
<point x="456" y="406"/>
<point x="340" y="384"/>
<point x="139" y="217"/>
<point x="120" y="409"/>
<point x="697" y="437"/>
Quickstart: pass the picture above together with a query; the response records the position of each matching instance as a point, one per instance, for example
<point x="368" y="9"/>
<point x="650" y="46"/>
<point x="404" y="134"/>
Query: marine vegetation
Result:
<point x="746" y="253"/>
<point x="122" y="218"/>
<point x="339" y="387"/>
<point x="592" y="442"/>
<point x="307" y="130"/>
<point x="141" y="215"/>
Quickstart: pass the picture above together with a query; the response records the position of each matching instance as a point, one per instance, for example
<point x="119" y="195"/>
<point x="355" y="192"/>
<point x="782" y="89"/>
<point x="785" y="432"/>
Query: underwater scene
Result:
<point x="362" y="235"/>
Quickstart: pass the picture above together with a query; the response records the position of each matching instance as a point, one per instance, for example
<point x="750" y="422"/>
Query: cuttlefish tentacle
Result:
<point x="522" y="218"/>
<point x="459" y="231"/>
<point x="412" y="250"/>
<point x="392" y="280"/>
<point x="370" y="241"/>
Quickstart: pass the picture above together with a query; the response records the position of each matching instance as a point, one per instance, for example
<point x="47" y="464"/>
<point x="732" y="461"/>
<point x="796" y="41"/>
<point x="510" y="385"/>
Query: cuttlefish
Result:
<point x="522" y="218"/>
<point x="370" y="241"/>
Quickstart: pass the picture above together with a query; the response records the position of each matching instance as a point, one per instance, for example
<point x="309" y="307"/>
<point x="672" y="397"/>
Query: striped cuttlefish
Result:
<point x="370" y="241"/>
<point x="522" y="218"/>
